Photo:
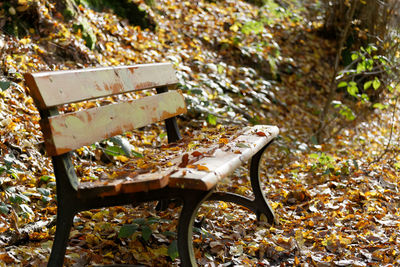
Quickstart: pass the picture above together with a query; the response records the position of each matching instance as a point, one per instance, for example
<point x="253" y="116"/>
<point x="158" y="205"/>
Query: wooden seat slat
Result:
<point x="54" y="88"/>
<point x="139" y="183"/>
<point x="202" y="174"/>
<point x="223" y="160"/>
<point x="66" y="132"/>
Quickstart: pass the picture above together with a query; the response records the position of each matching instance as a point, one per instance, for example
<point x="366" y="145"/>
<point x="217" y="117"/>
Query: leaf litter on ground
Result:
<point x="336" y="205"/>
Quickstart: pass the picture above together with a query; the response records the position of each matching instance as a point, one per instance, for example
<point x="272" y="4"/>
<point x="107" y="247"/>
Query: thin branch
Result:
<point x="332" y="86"/>
<point x="391" y="134"/>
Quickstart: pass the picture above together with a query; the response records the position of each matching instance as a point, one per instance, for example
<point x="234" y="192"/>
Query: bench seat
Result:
<point x="199" y="169"/>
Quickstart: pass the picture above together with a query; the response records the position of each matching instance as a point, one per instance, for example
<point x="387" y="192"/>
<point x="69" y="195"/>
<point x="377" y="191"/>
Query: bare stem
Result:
<point x="332" y="85"/>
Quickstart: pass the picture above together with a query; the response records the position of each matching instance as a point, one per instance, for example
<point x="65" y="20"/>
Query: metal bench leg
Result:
<point x="260" y="204"/>
<point x="65" y="216"/>
<point x="260" y="201"/>
<point x="191" y="203"/>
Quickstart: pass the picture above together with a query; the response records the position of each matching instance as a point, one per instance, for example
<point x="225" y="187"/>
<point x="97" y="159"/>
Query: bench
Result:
<point x="65" y="132"/>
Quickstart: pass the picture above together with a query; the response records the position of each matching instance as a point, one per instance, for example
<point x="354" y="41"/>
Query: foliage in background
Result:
<point x="237" y="63"/>
<point x="367" y="52"/>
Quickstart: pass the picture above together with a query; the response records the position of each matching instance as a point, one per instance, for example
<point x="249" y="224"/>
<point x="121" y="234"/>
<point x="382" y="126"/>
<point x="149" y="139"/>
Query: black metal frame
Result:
<point x="259" y="205"/>
<point x="69" y="203"/>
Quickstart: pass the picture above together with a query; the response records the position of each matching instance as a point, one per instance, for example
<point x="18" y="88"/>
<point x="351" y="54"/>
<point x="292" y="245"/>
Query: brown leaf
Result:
<point x="185" y="161"/>
<point x="197" y="154"/>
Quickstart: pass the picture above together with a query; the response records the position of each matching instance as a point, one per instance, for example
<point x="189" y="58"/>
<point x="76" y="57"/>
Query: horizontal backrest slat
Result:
<point x="66" y="132"/>
<point x="50" y="89"/>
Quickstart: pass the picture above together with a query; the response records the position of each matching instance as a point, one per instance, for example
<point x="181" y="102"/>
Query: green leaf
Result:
<point x="397" y="165"/>
<point x="379" y="106"/>
<point x="376" y="83"/>
<point x="114" y="151"/>
<point x="45" y="178"/>
<point x="354" y="56"/>
<point x="342" y="84"/>
<point x="19" y="198"/>
<point x="146" y="233"/>
<point x="364" y="98"/>
<point x="220" y="69"/>
<point x="196" y="92"/>
<point x="140" y="221"/>
<point x="136" y="154"/>
<point x="162" y="135"/>
<point x="169" y="234"/>
<point x="360" y="67"/>
<point x="252" y="27"/>
<point x="4" y="85"/>
<point x="314" y="140"/>
<point x="352" y="90"/>
<point x="123" y="143"/>
<point x="43" y="191"/>
<point x="173" y="250"/>
<point x="347" y="112"/>
<point x="152" y="220"/>
<point x="211" y="119"/>
<point x="367" y="85"/>
<point x="4" y="209"/>
<point x="127" y="230"/>
<point x="314" y="156"/>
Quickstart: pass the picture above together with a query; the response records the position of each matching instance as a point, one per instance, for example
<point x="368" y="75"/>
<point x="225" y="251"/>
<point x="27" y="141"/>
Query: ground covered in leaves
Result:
<point x="238" y="64"/>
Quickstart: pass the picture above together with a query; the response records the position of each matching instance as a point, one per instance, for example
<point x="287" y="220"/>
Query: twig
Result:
<point x="332" y="86"/>
<point x="391" y="134"/>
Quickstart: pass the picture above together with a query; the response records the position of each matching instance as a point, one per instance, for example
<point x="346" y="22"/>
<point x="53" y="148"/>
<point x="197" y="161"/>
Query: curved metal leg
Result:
<point x="191" y="203"/>
<point x="260" y="204"/>
<point x="234" y="198"/>
<point x="260" y="201"/>
<point x="64" y="223"/>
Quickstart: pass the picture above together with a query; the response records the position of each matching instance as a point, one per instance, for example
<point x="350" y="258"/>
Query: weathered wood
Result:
<point x="137" y="183"/>
<point x="55" y="88"/>
<point x="207" y="171"/>
<point x="203" y="173"/>
<point x="69" y="131"/>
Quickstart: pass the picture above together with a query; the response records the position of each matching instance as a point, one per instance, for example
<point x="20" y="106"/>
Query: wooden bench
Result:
<point x="66" y="132"/>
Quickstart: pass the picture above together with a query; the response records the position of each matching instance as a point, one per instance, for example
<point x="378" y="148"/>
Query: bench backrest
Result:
<point x="66" y="132"/>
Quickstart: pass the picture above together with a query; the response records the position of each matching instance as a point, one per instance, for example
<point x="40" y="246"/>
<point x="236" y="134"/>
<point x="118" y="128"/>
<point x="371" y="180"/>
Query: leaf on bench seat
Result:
<point x="220" y="160"/>
<point x="199" y="169"/>
<point x="185" y="161"/>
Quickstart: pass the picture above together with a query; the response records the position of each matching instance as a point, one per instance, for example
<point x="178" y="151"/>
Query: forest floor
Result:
<point x="336" y="202"/>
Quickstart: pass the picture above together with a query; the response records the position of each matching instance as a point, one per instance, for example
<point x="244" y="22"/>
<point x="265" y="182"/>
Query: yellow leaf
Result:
<point x="223" y="141"/>
<point x="235" y="27"/>
<point x="202" y="168"/>
<point x="109" y="255"/>
<point x="122" y="158"/>
<point x="25" y="41"/>
<point x="279" y="248"/>
<point x="223" y="205"/>
<point x="161" y="251"/>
